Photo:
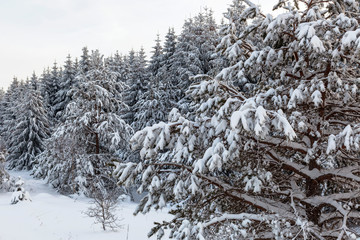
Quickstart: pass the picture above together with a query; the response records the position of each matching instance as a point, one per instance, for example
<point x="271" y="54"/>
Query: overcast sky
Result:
<point x="35" y="33"/>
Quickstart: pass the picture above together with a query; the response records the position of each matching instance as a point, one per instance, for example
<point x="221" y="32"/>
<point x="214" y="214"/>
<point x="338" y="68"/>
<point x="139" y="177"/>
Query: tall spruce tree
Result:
<point x="79" y="153"/>
<point x="151" y="107"/>
<point x="156" y="58"/>
<point x="84" y="63"/>
<point x="30" y="131"/>
<point x="63" y="95"/>
<point x="51" y="86"/>
<point x="34" y="82"/>
<point x="164" y="77"/>
<point x="193" y="51"/>
<point x="2" y="98"/>
<point x="168" y="50"/>
<point x="9" y="109"/>
<point x="137" y="81"/>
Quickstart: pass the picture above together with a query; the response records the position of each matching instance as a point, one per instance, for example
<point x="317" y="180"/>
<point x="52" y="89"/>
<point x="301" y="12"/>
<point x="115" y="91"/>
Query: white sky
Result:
<point x="35" y="33"/>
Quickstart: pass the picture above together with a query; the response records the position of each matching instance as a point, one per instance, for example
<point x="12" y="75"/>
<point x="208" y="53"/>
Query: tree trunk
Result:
<point x="97" y="150"/>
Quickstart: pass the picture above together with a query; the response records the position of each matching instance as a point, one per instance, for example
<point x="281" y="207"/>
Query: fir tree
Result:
<point x="9" y="110"/>
<point x="34" y="82"/>
<point x="2" y="99"/>
<point x="79" y="153"/>
<point x="63" y="96"/>
<point x="151" y="108"/>
<point x="193" y="52"/>
<point x="84" y="63"/>
<point x="156" y="58"/>
<point x="164" y="76"/>
<point x="137" y="81"/>
<point x="4" y="176"/>
<point x="29" y="132"/>
<point x="44" y="78"/>
<point x="168" y="51"/>
<point x="51" y="86"/>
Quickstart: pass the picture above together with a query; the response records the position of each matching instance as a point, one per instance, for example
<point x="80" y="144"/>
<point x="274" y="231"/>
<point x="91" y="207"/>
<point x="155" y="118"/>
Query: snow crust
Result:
<point x="54" y="216"/>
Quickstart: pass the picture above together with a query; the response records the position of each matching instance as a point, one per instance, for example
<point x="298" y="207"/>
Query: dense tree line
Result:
<point x="71" y="123"/>
<point x="248" y="130"/>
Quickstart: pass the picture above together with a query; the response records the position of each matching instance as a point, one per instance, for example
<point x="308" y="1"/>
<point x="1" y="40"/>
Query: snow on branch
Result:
<point x="254" y="117"/>
<point x="316" y="174"/>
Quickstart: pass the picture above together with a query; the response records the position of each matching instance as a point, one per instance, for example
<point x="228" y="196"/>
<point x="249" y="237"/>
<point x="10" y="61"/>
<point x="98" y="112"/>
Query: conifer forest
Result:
<point x="247" y="128"/>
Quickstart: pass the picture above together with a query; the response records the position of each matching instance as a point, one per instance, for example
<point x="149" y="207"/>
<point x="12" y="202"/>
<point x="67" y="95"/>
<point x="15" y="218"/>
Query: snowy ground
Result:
<point x="51" y="216"/>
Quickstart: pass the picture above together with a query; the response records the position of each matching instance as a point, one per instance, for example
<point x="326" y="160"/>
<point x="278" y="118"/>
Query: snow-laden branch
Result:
<point x="282" y="143"/>
<point x="241" y="216"/>
<point x="319" y="200"/>
<point x="246" y="219"/>
<point x="262" y="203"/>
<point x="316" y="174"/>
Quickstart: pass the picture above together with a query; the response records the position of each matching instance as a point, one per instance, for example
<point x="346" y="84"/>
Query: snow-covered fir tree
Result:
<point x="9" y="112"/>
<point x="45" y="76"/>
<point x="30" y="131"/>
<point x="2" y="96"/>
<point x="63" y="95"/>
<point x="151" y="108"/>
<point x="84" y="63"/>
<point x="282" y="163"/>
<point x="35" y="83"/>
<point x="168" y="50"/>
<point x="165" y="77"/>
<point x="2" y="93"/>
<point x="118" y="65"/>
<point x="50" y="88"/>
<point x="192" y="56"/>
<point x="4" y="176"/>
<point x="79" y="153"/>
<point x="233" y="49"/>
<point x="19" y="194"/>
<point x="137" y="81"/>
<point x="156" y="58"/>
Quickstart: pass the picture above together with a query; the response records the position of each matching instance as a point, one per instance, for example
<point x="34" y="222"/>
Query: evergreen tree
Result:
<point x="233" y="49"/>
<point x="34" y="82"/>
<point x="9" y="110"/>
<point x="193" y="52"/>
<point x="79" y="153"/>
<point x="282" y="163"/>
<point x="117" y="65"/>
<point x="186" y="59"/>
<point x="63" y="96"/>
<point x="44" y="78"/>
<point x="164" y="77"/>
<point x="2" y="99"/>
<point x="156" y="58"/>
<point x="137" y="81"/>
<point x="167" y="53"/>
<point x="51" y="86"/>
<point x="4" y="176"/>
<point x="84" y="63"/>
<point x="151" y="108"/>
<point x="76" y="65"/>
<point x="30" y="131"/>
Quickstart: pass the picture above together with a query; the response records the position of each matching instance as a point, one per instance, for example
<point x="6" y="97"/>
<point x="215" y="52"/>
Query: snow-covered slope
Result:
<point x="53" y="216"/>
